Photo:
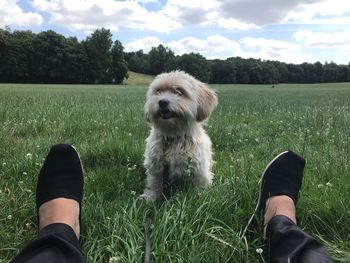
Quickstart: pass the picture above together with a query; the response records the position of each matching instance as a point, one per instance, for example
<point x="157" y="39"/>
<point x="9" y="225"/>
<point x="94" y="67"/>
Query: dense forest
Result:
<point x="48" y="57"/>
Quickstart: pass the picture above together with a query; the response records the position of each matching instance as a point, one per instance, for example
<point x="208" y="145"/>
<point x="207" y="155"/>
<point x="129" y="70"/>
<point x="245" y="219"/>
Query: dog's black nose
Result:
<point x="163" y="103"/>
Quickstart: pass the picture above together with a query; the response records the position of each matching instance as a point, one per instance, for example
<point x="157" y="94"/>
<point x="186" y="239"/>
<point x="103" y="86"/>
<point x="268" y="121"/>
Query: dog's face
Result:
<point x="176" y="100"/>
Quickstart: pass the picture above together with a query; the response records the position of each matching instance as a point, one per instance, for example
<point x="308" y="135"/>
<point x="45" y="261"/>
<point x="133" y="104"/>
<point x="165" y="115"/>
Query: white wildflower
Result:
<point x="113" y="259"/>
<point x="259" y="250"/>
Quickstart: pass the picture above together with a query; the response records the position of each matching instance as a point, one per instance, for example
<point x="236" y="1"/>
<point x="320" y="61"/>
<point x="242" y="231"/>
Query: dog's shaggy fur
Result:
<point x="176" y="106"/>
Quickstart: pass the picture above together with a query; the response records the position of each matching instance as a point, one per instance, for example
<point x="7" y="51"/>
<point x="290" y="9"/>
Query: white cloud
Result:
<point x="323" y="39"/>
<point x="322" y="12"/>
<point x="267" y="44"/>
<point x="215" y="46"/>
<point x="92" y="14"/>
<point x="330" y="7"/>
<point x="247" y="14"/>
<point x="12" y="14"/>
<point x="218" y="46"/>
<point x="202" y="13"/>
<point x="188" y="44"/>
<point x="231" y="23"/>
<point x="270" y="49"/>
<point x="265" y="12"/>
<point x="175" y="14"/>
<point x="147" y="1"/>
<point x="260" y="12"/>
<point x="144" y="43"/>
<point x="334" y="21"/>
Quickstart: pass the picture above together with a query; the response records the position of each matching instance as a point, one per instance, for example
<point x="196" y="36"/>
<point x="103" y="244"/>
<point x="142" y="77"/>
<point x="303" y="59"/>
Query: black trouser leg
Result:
<point x="289" y="244"/>
<point x="55" y="243"/>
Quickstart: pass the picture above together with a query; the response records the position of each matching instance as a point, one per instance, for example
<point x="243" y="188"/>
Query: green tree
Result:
<point x="330" y="72"/>
<point x="309" y="73"/>
<point x="319" y="71"/>
<point x="196" y="65"/>
<point x="343" y="73"/>
<point x="161" y="59"/>
<point x="119" y="65"/>
<point x="138" y="62"/>
<point x="98" y="47"/>
<point x="282" y="71"/>
<point x="5" y="36"/>
<point x="223" y="72"/>
<point x="295" y="73"/>
<point x="242" y="70"/>
<point x="256" y="72"/>
<point x="15" y="54"/>
<point x="270" y="73"/>
<point x="47" y="57"/>
<point x="74" y="62"/>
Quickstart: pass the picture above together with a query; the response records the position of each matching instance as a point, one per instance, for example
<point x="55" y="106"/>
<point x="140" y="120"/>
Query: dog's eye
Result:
<point x="157" y="91"/>
<point x="179" y="91"/>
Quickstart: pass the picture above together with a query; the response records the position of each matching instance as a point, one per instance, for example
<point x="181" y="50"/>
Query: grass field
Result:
<point x="250" y="125"/>
<point x="138" y="79"/>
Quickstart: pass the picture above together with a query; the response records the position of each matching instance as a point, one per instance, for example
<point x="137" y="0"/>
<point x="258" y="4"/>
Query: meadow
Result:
<point x="248" y="128"/>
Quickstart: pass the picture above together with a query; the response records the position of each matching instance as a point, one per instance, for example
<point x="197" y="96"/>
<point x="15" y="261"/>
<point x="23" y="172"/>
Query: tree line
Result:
<point x="48" y="57"/>
<point x="236" y="69"/>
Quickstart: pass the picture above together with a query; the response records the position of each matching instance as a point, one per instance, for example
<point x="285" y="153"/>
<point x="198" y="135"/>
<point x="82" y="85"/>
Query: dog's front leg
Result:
<point x="201" y="168"/>
<point x="154" y="181"/>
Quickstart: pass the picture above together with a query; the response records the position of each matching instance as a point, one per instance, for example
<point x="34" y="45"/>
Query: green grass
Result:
<point x="138" y="79"/>
<point x="250" y="125"/>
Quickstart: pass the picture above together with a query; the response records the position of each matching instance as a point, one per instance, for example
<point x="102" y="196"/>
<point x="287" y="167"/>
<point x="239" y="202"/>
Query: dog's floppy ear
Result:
<point x="207" y="101"/>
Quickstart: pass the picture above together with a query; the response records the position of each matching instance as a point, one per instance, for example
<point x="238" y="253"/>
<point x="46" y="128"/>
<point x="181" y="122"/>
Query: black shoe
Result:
<point x="282" y="176"/>
<point x="61" y="176"/>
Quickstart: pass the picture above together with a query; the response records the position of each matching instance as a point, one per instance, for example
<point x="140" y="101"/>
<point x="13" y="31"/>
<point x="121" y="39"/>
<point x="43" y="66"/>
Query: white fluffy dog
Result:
<point x="176" y="105"/>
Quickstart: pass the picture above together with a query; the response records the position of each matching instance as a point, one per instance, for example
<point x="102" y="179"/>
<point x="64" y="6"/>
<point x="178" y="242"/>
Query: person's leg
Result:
<point x="58" y="197"/>
<point x="286" y="242"/>
<point x="280" y="185"/>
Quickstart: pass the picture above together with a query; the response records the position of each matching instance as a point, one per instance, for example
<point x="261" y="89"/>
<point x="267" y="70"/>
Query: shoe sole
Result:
<point x="81" y="163"/>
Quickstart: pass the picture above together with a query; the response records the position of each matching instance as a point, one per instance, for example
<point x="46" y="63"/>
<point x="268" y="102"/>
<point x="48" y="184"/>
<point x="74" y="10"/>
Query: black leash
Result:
<point x="148" y="244"/>
<point x="150" y="216"/>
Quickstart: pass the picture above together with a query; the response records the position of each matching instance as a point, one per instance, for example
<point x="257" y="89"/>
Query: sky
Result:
<point x="292" y="31"/>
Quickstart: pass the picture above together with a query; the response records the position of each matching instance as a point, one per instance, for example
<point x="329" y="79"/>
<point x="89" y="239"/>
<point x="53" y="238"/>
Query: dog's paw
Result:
<point x="150" y="196"/>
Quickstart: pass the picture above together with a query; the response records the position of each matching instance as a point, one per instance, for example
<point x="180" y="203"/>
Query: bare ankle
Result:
<point x="60" y="210"/>
<point x="279" y="205"/>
